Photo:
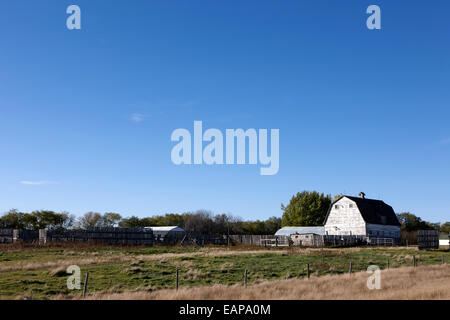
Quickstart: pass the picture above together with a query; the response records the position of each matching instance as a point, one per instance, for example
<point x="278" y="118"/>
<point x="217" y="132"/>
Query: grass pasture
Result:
<point x="41" y="271"/>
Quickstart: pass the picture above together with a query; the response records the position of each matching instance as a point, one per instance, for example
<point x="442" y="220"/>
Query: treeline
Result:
<point x="307" y="208"/>
<point x="411" y="222"/>
<point x="199" y="221"/>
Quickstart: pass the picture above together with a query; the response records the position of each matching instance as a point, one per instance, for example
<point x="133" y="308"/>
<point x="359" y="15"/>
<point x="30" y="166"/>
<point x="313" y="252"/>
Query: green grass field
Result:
<point x="42" y="270"/>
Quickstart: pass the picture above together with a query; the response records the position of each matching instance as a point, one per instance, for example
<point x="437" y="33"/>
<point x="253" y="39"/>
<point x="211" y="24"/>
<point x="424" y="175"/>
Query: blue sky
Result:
<point x="86" y="115"/>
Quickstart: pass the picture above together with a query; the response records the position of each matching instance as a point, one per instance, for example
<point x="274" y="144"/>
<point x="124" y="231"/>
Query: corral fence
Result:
<point x="260" y="240"/>
<point x="383" y="241"/>
<point x="428" y="239"/>
<point x="349" y="241"/>
<point x="200" y="239"/>
<point x="6" y="235"/>
<point x="14" y="235"/>
<point x="314" y="241"/>
<point x="409" y="238"/>
<point x="343" y="240"/>
<point x="145" y="236"/>
<point x="112" y="236"/>
<point x="191" y="238"/>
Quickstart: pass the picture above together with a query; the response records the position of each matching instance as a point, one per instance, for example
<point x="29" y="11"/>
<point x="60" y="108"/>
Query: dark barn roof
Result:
<point x="372" y="211"/>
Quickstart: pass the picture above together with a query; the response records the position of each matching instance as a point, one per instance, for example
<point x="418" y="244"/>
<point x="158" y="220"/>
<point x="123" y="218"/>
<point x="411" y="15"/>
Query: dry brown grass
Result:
<point x="72" y="245"/>
<point x="426" y="282"/>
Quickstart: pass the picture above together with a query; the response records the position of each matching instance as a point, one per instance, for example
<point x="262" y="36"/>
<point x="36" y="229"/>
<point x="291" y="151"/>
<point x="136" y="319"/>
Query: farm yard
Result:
<point x="40" y="272"/>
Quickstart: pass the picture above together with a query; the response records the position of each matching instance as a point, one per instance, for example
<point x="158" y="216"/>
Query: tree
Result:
<point x="306" y="209"/>
<point x="411" y="222"/>
<point x="200" y="221"/>
<point x="13" y="219"/>
<point x="37" y="220"/>
<point x="132" y="222"/>
<point x="30" y="221"/>
<point x="51" y="220"/>
<point x="68" y="220"/>
<point x="110" y="219"/>
<point x="272" y="225"/>
<point x="445" y="227"/>
<point x="90" y="220"/>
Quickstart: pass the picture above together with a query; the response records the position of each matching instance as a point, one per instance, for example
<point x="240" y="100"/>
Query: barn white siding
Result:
<point x="345" y="219"/>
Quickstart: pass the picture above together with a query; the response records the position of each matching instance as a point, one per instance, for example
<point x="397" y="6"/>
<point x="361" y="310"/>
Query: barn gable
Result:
<point x="344" y="218"/>
<point x="372" y="211"/>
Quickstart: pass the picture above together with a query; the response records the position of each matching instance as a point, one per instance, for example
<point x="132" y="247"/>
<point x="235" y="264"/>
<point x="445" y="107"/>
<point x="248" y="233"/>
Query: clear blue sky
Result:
<point x="86" y="115"/>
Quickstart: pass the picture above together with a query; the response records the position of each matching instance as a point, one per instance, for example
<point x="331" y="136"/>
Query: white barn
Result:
<point x="362" y="217"/>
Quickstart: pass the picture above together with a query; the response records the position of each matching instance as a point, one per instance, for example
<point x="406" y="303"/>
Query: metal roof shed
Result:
<point x="287" y="231"/>
<point x="166" y="231"/>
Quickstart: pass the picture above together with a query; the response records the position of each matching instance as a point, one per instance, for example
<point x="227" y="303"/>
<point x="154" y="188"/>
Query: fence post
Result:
<point x="443" y="261"/>
<point x="307" y="270"/>
<point x="245" y="278"/>
<point x="414" y="261"/>
<point x="85" y="284"/>
<point x="176" y="279"/>
<point x="350" y="269"/>
<point x="387" y="263"/>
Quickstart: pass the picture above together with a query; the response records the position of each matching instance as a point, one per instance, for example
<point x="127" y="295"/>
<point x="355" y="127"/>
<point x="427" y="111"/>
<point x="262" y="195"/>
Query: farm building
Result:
<point x="167" y="231"/>
<point x="303" y="236"/>
<point x="287" y="231"/>
<point x="350" y="220"/>
<point x="167" y="234"/>
<point x="362" y="217"/>
<point x="444" y="240"/>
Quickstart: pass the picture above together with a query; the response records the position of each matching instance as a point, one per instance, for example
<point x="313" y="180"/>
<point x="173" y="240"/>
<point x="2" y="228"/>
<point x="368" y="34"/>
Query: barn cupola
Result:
<point x="362" y="195"/>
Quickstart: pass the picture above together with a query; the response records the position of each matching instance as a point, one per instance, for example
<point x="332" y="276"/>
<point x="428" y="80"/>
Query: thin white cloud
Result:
<point x="137" y="117"/>
<point x="37" y="183"/>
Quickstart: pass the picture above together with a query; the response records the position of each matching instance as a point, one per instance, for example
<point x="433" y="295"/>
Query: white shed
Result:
<point x="167" y="231"/>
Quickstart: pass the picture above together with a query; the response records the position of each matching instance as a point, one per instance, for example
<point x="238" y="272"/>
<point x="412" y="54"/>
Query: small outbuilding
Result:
<point x="303" y="236"/>
<point x="165" y="231"/>
<point x="169" y="234"/>
<point x="444" y="241"/>
<point x="287" y="231"/>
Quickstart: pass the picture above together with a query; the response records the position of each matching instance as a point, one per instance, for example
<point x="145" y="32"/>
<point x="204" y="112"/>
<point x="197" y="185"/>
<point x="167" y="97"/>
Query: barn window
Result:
<point x="350" y="205"/>
<point x="336" y="206"/>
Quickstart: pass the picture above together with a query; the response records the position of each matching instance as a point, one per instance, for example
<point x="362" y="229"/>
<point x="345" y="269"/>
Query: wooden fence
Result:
<point x="200" y="239"/>
<point x="145" y="236"/>
<point x="428" y="239"/>
<point x="113" y="236"/>
<point x="15" y="235"/>
<point x="260" y="240"/>
<point x="6" y="235"/>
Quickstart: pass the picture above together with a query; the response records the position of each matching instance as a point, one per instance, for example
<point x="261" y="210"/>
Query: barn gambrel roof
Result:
<point x="372" y="211"/>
